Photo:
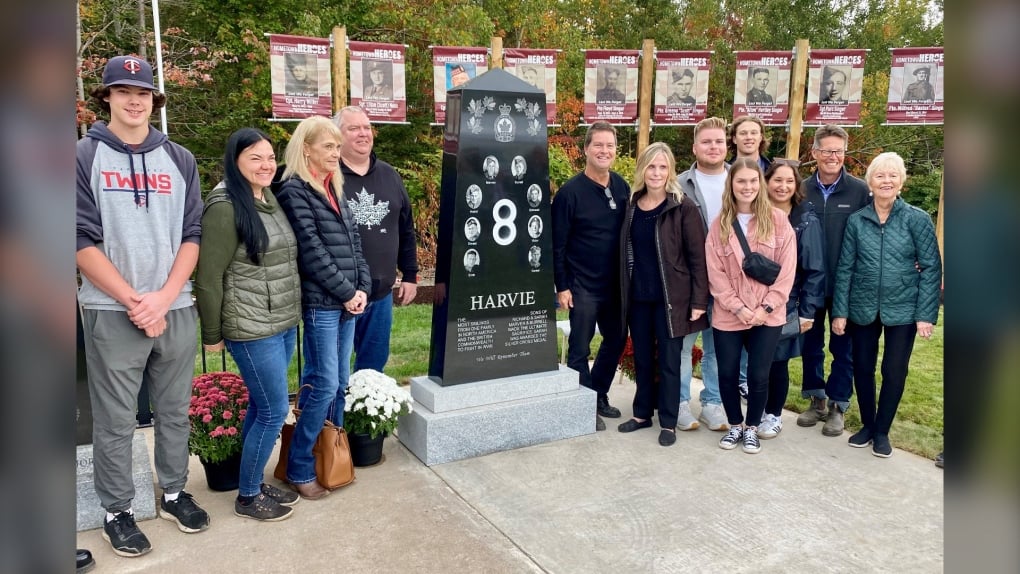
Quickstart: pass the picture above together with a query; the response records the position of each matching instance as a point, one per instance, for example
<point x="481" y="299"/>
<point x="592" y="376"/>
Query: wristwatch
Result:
<point x="767" y="307"/>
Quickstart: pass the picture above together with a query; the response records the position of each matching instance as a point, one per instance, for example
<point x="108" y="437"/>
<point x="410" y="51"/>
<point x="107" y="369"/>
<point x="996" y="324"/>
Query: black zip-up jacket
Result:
<point x="329" y="249"/>
<point x="851" y="194"/>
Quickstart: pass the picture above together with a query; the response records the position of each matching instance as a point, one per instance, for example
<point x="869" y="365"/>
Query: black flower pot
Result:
<point x="224" y="475"/>
<point x="365" y="450"/>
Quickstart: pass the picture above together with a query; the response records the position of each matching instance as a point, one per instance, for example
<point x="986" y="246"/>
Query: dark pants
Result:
<point x="588" y="311"/>
<point x="839" y="388"/>
<point x="760" y="343"/>
<point x="779" y="387"/>
<point x="649" y="335"/>
<point x="899" y="344"/>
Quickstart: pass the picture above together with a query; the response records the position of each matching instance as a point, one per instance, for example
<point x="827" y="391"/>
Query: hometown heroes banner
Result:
<point x="378" y="81"/>
<point x="451" y="67"/>
<point x="538" y="68"/>
<point x="610" y="86"/>
<point x="681" y="87"/>
<point x="762" y="86"/>
<point x="299" y="72"/>
<point x="835" y="81"/>
<point x="916" y="87"/>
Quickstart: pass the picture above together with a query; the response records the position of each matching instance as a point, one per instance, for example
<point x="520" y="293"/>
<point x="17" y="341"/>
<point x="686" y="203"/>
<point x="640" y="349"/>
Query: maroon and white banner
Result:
<point x="610" y="86"/>
<point x="916" y="87"/>
<point x="451" y="67"/>
<point x="681" y="87"/>
<point x="538" y="68"/>
<point x="835" y="80"/>
<point x="378" y="81"/>
<point x="762" y="87"/>
<point x="299" y="74"/>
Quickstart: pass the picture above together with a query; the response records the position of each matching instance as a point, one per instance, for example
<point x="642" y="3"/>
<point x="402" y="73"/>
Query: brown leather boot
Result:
<point x="814" y="413"/>
<point x="310" y="490"/>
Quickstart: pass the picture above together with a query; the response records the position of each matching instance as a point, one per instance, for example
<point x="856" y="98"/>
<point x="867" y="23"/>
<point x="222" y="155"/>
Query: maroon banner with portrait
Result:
<point x="538" y="68"/>
<point x="378" y="81"/>
<point x="762" y="87"/>
<point x="916" y="87"/>
<point x="681" y="87"/>
<point x="451" y="67"/>
<point x="610" y="86"/>
<point x="835" y="82"/>
<point x="299" y="73"/>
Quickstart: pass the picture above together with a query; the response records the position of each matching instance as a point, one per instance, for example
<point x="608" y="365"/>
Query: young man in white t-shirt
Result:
<point x="704" y="183"/>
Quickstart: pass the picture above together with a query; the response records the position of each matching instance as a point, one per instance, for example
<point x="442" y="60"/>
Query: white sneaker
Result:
<point x="770" y="426"/>
<point x="751" y="443"/>
<point x="685" y="420"/>
<point x="714" y="417"/>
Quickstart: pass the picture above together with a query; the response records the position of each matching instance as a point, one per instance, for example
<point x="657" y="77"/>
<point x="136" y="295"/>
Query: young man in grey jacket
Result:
<point x="139" y="211"/>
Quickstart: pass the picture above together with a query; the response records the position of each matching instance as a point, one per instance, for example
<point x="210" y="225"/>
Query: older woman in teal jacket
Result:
<point x="887" y="279"/>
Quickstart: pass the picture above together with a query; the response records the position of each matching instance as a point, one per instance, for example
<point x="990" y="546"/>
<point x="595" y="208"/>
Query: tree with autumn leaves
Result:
<point x="216" y="59"/>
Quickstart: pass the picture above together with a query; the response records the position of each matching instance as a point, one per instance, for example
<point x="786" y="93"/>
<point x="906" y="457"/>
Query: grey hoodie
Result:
<point x="137" y="204"/>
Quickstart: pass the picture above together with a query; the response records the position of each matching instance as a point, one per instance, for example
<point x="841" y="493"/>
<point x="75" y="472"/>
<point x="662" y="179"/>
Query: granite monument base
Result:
<point x="474" y="419"/>
<point x="90" y="510"/>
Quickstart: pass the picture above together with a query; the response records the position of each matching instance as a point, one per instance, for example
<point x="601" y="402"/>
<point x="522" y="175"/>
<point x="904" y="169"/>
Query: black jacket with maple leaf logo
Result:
<point x="382" y="210"/>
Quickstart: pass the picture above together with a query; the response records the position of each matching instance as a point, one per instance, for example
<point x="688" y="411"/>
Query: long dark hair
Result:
<point x="246" y="218"/>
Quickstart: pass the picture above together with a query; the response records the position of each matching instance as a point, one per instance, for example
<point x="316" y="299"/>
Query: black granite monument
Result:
<point x="494" y="309"/>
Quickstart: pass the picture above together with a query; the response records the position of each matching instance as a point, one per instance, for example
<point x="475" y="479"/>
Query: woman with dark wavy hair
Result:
<point x="249" y="299"/>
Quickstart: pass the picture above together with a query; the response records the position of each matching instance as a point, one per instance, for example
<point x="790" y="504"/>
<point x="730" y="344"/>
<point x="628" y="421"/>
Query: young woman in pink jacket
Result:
<point x="747" y="314"/>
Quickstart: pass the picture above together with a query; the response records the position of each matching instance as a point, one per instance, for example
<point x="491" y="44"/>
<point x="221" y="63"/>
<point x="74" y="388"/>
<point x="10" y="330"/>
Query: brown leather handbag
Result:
<point x="333" y="465"/>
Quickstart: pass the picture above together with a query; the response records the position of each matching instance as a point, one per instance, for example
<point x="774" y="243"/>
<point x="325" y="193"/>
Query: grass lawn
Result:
<point x="917" y="428"/>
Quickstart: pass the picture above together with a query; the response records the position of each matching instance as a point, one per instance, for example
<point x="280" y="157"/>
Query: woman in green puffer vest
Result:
<point x="249" y="301"/>
<point x="887" y="280"/>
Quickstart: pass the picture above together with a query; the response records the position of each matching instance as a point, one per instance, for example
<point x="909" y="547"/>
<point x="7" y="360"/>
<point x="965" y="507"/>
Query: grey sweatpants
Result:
<point x="119" y="356"/>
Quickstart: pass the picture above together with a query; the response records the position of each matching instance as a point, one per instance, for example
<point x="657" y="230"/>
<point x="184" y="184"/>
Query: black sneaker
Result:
<point x="607" y="410"/>
<point x="940" y="460"/>
<point x="84" y="561"/>
<point x="881" y="446"/>
<point x="263" y="508"/>
<point x="861" y="438"/>
<point x="282" y="497"/>
<point x="123" y="534"/>
<point x="188" y="516"/>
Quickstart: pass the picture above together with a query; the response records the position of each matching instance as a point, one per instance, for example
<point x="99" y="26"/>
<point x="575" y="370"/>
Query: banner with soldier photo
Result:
<point x="378" y="81"/>
<point x="299" y="74"/>
<point x="538" y="68"/>
<point x="916" y="87"/>
<point x="681" y="87"/>
<point x="762" y="87"/>
<point x="835" y="82"/>
<point x="610" y="86"/>
<point x="451" y="67"/>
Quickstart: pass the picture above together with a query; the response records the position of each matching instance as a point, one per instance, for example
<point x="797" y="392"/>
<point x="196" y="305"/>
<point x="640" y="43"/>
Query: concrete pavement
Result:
<point x="606" y="502"/>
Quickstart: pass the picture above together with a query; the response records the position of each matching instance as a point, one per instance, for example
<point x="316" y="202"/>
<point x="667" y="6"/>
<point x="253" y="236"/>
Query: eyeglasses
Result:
<point x="609" y="196"/>
<point x="794" y="163"/>
<point x="831" y="152"/>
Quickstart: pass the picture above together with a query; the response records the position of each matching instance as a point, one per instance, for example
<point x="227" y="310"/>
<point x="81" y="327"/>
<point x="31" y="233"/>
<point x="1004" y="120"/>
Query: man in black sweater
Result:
<point x="835" y="194"/>
<point x="587" y="214"/>
<point x="382" y="210"/>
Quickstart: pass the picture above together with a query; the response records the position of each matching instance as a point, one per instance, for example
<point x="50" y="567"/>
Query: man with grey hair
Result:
<point x="382" y="210"/>
<point x="835" y="194"/>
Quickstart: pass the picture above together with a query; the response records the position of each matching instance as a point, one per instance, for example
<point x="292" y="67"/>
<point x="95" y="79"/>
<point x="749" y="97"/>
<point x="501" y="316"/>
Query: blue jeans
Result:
<point x="709" y="367"/>
<point x="329" y="339"/>
<point x="839" y="387"/>
<point x="372" y="335"/>
<point x="263" y="365"/>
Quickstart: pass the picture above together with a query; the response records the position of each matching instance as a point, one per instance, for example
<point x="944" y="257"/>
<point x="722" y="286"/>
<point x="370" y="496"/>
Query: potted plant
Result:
<point x="374" y="403"/>
<point x="627" y="360"/>
<point x="219" y="403"/>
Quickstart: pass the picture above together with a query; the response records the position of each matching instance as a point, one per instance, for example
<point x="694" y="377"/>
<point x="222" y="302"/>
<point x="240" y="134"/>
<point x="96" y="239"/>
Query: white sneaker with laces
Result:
<point x="714" y="417"/>
<point x="685" y="420"/>
<point x="770" y="426"/>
